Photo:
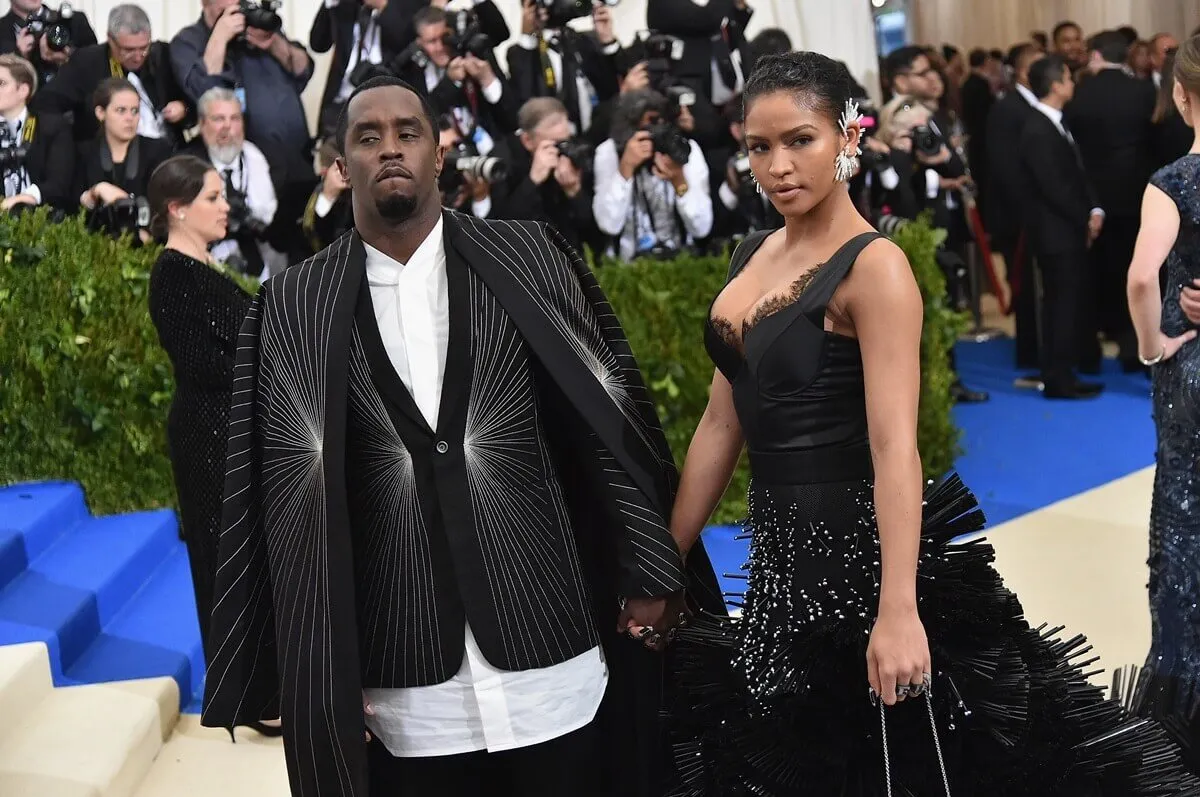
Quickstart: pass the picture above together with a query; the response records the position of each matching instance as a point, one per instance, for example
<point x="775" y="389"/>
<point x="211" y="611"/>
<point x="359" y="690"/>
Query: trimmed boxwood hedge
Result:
<point x="85" y="387"/>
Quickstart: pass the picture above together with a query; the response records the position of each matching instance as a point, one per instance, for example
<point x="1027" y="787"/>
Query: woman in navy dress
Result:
<point x="875" y="654"/>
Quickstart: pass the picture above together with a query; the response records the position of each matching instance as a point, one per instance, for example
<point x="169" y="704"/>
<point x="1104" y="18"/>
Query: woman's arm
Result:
<point x="1160" y="227"/>
<point x="711" y="459"/>
<point x="885" y="307"/>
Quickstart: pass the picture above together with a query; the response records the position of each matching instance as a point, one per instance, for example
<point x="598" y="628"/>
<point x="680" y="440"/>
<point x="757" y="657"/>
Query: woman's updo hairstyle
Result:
<point x="1187" y="66"/>
<point x="176" y="180"/>
<point x="817" y="80"/>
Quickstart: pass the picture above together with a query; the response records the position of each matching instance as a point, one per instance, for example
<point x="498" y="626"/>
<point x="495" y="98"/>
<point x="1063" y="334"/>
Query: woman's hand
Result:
<point x="1169" y="347"/>
<point x="898" y="653"/>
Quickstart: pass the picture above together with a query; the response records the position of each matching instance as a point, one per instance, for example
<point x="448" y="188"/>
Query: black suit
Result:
<point x="71" y="92"/>
<point x="712" y="30"/>
<point x="132" y="175"/>
<point x="528" y="70"/>
<point x="333" y="28"/>
<point x="1058" y="206"/>
<point x="520" y="199"/>
<point x="977" y="102"/>
<point x="1110" y="119"/>
<point x="82" y="36"/>
<point x="396" y="532"/>
<point x="50" y="160"/>
<point x="497" y="119"/>
<point x="1006" y="193"/>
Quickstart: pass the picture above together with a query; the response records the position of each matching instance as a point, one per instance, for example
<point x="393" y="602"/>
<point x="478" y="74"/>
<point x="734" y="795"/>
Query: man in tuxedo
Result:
<point x="16" y="36"/>
<point x="46" y="174"/>
<point x="1110" y="119"/>
<point x="1062" y="219"/>
<point x="129" y="53"/>
<point x="1006" y="197"/>
<point x="447" y="490"/>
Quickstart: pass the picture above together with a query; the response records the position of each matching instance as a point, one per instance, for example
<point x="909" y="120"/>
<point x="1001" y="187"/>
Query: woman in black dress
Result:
<point x="875" y="655"/>
<point x="198" y="310"/>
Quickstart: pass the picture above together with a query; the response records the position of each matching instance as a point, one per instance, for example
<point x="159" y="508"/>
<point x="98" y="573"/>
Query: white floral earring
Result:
<point x="846" y="164"/>
<point x="754" y="180"/>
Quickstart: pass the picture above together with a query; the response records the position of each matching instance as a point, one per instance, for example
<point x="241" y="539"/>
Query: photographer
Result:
<point x="713" y="56"/>
<point x="464" y="185"/>
<point x="37" y="153"/>
<point x="128" y="53"/>
<point x="362" y="34"/>
<point x="239" y="45"/>
<point x="652" y="191"/>
<point x="328" y="214"/>
<point x="742" y="208"/>
<point x="114" y="168"/>
<point x="917" y="155"/>
<point x="248" y="188"/>
<point x="550" y="59"/>
<point x="551" y="174"/>
<point x="458" y="73"/>
<point x="44" y="37"/>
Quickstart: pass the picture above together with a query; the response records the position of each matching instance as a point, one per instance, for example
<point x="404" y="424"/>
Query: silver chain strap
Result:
<point x="937" y="744"/>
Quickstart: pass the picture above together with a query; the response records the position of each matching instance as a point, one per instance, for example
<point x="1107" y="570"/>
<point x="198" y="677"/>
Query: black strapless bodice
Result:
<point x="797" y="388"/>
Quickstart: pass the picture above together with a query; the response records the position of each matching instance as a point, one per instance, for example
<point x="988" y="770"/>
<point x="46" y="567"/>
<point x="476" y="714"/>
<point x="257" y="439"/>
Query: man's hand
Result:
<point x="25" y="43"/>
<point x="174" y="112"/>
<point x="333" y="184"/>
<point x="569" y="178"/>
<point x="602" y="24"/>
<point x="545" y="160"/>
<point x="260" y="39"/>
<point x="638" y="150"/>
<point x="636" y="79"/>
<point x="1189" y="300"/>
<point x="479" y="69"/>
<point x="1095" y="225"/>
<point x="653" y="620"/>
<point x="229" y="25"/>
<point x="367" y="712"/>
<point x="20" y="199"/>
<point x="456" y="70"/>
<point x="666" y="168"/>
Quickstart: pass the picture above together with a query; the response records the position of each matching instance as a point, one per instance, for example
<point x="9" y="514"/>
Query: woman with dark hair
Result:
<point x="198" y="310"/>
<point x="1172" y="136"/>
<point x="878" y="652"/>
<point x="113" y="169"/>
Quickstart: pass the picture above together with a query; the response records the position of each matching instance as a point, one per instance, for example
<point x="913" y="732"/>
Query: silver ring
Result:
<point x="902" y="690"/>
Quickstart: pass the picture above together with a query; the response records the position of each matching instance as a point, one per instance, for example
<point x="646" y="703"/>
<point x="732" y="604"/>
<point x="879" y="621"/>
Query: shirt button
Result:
<point x="442" y="447"/>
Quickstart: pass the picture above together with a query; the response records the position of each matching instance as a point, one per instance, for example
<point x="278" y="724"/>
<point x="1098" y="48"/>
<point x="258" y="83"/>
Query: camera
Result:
<point x="660" y="52"/>
<point x="741" y="167"/>
<point x="126" y="215"/>
<point x="53" y="26"/>
<point x="12" y="151"/>
<point x="262" y="14"/>
<point x="578" y="151"/>
<point x="669" y="140"/>
<point x="926" y="140"/>
<point x="412" y="54"/>
<point x="241" y="220"/>
<point x="462" y="161"/>
<point x="465" y="36"/>
<point x="560" y="12"/>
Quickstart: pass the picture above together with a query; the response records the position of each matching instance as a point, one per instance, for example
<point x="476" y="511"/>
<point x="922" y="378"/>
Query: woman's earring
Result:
<point x="182" y="216"/>
<point x="754" y="180"/>
<point x="846" y="164"/>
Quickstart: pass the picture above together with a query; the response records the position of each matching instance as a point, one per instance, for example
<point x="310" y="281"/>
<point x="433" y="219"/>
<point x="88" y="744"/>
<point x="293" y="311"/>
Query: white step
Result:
<point x="24" y="682"/>
<point x="88" y="741"/>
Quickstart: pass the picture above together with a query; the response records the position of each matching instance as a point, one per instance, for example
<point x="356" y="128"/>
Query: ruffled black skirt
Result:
<point x="776" y="702"/>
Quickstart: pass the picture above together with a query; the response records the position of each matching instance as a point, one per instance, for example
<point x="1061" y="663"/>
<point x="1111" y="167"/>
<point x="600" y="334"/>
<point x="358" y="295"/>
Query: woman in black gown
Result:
<point x="198" y="310"/>
<point x="875" y="655"/>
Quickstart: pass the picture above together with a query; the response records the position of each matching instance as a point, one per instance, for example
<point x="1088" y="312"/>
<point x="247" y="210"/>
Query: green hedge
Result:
<point x="86" y="387"/>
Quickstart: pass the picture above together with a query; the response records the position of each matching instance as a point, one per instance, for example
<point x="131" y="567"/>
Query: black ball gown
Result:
<point x="198" y="313"/>
<point x="776" y="702"/>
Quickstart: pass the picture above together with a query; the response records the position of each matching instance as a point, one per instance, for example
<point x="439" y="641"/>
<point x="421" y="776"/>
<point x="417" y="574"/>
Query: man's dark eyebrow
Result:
<point x="375" y="124"/>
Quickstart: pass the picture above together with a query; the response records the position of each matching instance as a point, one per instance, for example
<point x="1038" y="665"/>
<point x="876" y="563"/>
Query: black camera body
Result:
<point x="262" y="14"/>
<point x="926" y="140"/>
<point x="659" y="54"/>
<point x="241" y="220"/>
<point x="12" y="150"/>
<point x="464" y="160"/>
<point x="126" y="215"/>
<point x="52" y="26"/>
<point x="579" y="152"/>
<point x="465" y="36"/>
<point x="560" y="12"/>
<point x="741" y="167"/>
<point x="669" y="140"/>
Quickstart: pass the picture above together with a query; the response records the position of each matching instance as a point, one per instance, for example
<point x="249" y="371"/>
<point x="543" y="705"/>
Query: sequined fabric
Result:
<point x="198" y="313"/>
<point x="775" y="703"/>
<point x="1171" y="678"/>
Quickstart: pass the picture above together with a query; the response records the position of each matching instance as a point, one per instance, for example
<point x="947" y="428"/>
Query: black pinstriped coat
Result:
<point x="357" y="539"/>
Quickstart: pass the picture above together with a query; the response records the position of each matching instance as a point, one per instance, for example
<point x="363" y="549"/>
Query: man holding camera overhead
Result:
<point x="239" y="45"/>
<point x="43" y="36"/>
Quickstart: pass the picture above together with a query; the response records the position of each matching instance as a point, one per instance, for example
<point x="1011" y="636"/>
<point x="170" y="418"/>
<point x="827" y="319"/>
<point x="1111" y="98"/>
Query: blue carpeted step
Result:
<point x="155" y="634"/>
<point x="81" y="582"/>
<point x="32" y="518"/>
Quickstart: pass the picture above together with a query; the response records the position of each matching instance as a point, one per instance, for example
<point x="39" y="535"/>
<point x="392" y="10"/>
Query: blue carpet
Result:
<point x="112" y="597"/>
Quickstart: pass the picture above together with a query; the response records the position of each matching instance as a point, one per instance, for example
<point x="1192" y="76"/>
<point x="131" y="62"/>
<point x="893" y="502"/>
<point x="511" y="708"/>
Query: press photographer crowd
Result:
<point x="630" y="149"/>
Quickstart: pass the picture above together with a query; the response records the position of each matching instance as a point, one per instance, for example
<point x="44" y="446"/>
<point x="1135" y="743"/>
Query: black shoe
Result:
<point x="964" y="395"/>
<point x="266" y="730"/>
<point x="1072" y="390"/>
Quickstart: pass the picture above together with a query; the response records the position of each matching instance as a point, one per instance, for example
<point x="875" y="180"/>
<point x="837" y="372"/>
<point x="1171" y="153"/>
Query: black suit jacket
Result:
<point x="1110" y="119"/>
<point x="498" y="120"/>
<point x="89" y="170"/>
<point x="714" y="29"/>
<point x="519" y="199"/>
<point x="1059" y="198"/>
<point x="50" y="160"/>
<point x="333" y="28"/>
<point x="70" y="93"/>
<point x="82" y="36"/>
<point x="274" y="654"/>
<point x="1006" y="184"/>
<point x="581" y="52"/>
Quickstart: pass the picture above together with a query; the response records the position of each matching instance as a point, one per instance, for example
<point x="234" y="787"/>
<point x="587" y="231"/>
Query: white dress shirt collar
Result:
<point x="385" y="270"/>
<point x="1027" y="94"/>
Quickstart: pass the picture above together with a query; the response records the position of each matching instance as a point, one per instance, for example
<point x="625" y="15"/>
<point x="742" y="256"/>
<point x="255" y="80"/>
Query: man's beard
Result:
<point x="396" y="207"/>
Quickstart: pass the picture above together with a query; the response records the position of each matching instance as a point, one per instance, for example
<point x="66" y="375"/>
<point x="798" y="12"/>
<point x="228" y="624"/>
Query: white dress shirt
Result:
<point x="368" y="43"/>
<point x="150" y="121"/>
<point x="613" y="199"/>
<point x="1055" y="115"/>
<point x="250" y="173"/>
<point x="480" y="707"/>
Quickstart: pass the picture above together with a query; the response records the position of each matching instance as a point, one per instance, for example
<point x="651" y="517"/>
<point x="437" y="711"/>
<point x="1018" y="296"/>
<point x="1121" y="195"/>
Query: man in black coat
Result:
<point x="1062" y="220"/>
<point x="447" y="489"/>
<point x="45" y="174"/>
<point x="18" y="35"/>
<point x="1110" y="118"/>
